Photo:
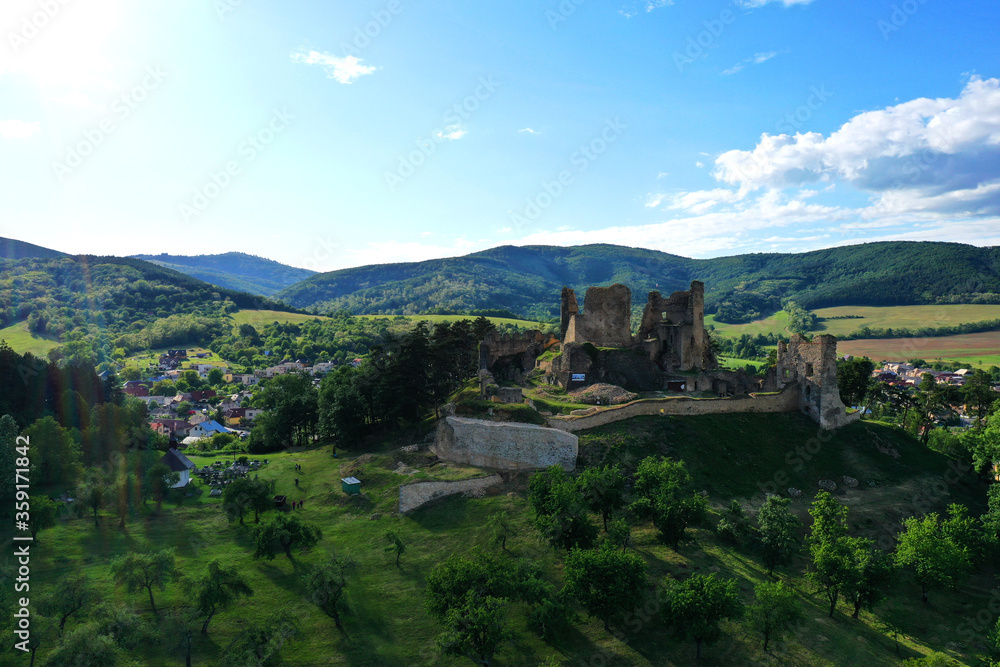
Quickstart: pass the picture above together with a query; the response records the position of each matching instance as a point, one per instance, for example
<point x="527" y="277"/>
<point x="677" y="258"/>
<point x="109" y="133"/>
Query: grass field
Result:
<point x="981" y="349"/>
<point x="21" y="340"/>
<point x="911" y="317"/>
<point x="258" y="318"/>
<point x="387" y="624"/>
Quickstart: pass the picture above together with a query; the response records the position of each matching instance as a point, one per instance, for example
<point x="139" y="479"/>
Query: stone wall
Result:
<point x="786" y="401"/>
<point x="520" y="348"/>
<point x="412" y="496"/>
<point x="504" y="445"/>
<point x="811" y="366"/>
<point x="606" y="320"/>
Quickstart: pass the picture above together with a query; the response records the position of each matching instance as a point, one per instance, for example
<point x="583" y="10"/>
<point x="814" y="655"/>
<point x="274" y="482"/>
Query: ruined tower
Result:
<point x="813" y="366"/>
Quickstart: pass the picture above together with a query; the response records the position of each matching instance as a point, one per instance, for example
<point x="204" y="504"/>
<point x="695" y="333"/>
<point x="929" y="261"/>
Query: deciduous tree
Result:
<point x="144" y="571"/>
<point x="606" y="582"/>
<point x="219" y="589"/>
<point x="696" y="606"/>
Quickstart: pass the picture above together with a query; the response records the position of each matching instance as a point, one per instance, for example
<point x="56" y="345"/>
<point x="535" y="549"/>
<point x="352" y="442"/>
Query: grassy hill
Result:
<point x="387" y="623"/>
<point x="234" y="270"/>
<point x="13" y="249"/>
<point x="527" y="280"/>
<point x="21" y="340"/>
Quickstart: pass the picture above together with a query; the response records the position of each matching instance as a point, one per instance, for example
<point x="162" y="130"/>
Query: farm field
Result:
<point x="981" y="349"/>
<point x="21" y="340"/>
<point x="880" y="317"/>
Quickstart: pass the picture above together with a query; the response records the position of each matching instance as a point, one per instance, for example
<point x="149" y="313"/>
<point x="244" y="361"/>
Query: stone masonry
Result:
<point x="812" y="367"/>
<point x="504" y="445"/>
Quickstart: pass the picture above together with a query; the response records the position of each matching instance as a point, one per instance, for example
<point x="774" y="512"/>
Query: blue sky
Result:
<point x="329" y="135"/>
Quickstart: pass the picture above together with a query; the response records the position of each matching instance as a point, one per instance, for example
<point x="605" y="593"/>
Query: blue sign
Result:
<point x="578" y="377"/>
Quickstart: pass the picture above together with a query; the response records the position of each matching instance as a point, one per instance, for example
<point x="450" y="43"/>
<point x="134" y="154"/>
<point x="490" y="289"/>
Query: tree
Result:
<point x="8" y="454"/>
<point x="44" y="511"/>
<point x="965" y="532"/>
<point x="620" y="533"/>
<point x="854" y="377"/>
<point x="218" y="590"/>
<point x="396" y="545"/>
<point x="74" y="594"/>
<point x="560" y="513"/>
<point x="666" y="496"/>
<point x="604" y="490"/>
<point x="159" y="480"/>
<point x="774" y="610"/>
<point x="500" y="529"/>
<point x="829" y="519"/>
<point x="696" y="606"/>
<point x="776" y="528"/>
<point x="978" y="393"/>
<point x="93" y="496"/>
<point x="260" y="641"/>
<point x="606" y="582"/>
<point x="325" y="586"/>
<point x="55" y="456"/>
<point x="245" y="495"/>
<point x="283" y="531"/>
<point x="215" y="377"/>
<point x="487" y="575"/>
<point x="934" y="557"/>
<point x="144" y="570"/>
<point x="85" y="647"/>
<point x="734" y="526"/>
<point x="832" y="571"/>
<point x="475" y="629"/>
<point x="872" y="572"/>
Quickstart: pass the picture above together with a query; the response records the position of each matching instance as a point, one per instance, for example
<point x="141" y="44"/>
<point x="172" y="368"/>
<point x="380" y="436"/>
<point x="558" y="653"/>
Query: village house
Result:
<point x="179" y="464"/>
<point x="207" y="429"/>
<point x="171" y="427"/>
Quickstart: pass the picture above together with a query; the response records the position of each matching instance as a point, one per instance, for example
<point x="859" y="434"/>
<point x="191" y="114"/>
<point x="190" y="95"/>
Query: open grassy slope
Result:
<point x="729" y="456"/>
<point x="21" y="340"/>
<point x="258" y="318"/>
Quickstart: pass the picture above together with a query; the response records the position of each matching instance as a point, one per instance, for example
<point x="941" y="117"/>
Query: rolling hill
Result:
<point x="234" y="270"/>
<point x="527" y="280"/>
<point x="14" y="249"/>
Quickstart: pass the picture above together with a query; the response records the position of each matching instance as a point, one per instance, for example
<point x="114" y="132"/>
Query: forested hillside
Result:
<point x="98" y="304"/>
<point x="234" y="270"/>
<point x="526" y="280"/>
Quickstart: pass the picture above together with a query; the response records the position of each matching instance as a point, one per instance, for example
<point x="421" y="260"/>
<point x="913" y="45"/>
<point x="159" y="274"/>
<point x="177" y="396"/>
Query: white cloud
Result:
<point x="755" y="59"/>
<point x="654" y="200"/>
<point x="938" y="155"/>
<point x="451" y="133"/>
<point x="345" y="70"/>
<point x="18" y="129"/>
<point x="528" y="130"/>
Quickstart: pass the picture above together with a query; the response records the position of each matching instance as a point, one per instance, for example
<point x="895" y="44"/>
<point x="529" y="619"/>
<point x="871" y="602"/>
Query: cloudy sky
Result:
<point x="334" y="134"/>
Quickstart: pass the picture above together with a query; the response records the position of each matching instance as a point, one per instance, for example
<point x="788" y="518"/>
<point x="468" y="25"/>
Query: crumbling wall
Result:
<point x="412" y="496"/>
<point x="812" y="367"/>
<point x="522" y="347"/>
<point x="606" y="320"/>
<point x="504" y="445"/>
<point x="672" y="330"/>
<point x="785" y="401"/>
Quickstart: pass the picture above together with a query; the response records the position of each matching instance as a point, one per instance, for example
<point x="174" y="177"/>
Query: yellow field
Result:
<point x="21" y="340"/>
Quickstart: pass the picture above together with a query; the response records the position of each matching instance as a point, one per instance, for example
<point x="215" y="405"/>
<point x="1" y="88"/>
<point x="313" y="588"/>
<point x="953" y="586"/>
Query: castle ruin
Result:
<point x="670" y="352"/>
